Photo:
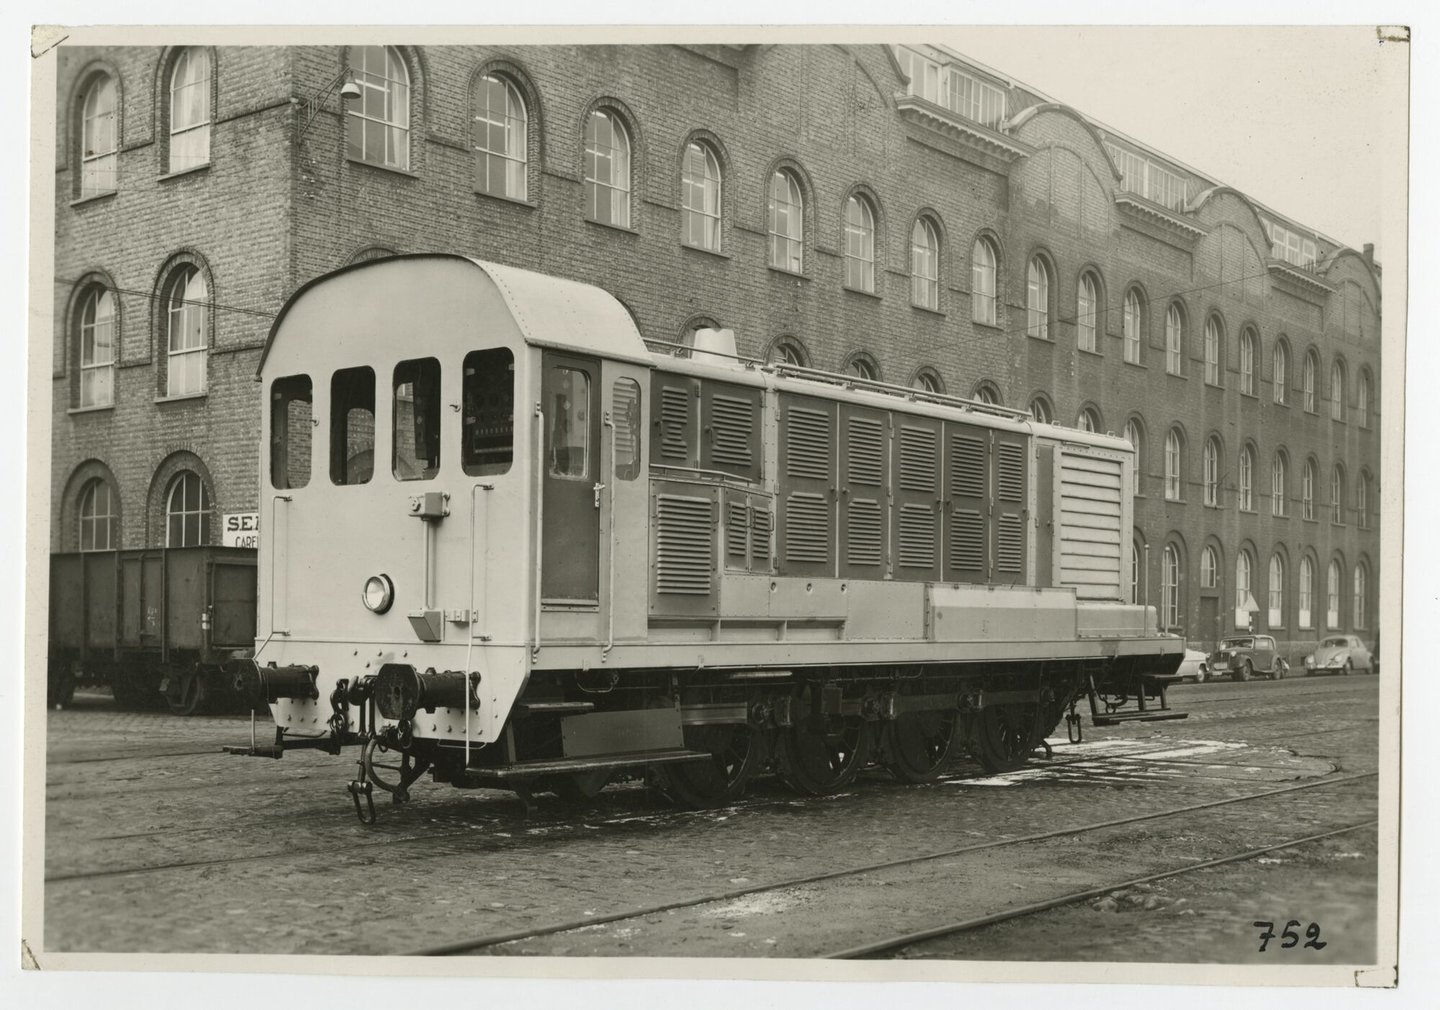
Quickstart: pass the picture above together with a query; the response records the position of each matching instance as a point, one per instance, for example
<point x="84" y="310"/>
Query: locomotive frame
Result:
<point x="588" y="558"/>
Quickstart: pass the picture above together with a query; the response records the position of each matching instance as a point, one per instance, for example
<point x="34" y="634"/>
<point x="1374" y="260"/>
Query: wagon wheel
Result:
<point x="60" y="684"/>
<point x="577" y="787"/>
<point x="191" y="696"/>
<point x="1002" y="736"/>
<point x="735" y="752"/>
<point x="917" y="744"/>
<point x="822" y="754"/>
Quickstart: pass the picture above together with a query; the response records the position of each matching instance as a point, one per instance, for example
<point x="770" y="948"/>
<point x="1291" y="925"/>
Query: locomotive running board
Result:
<point x="1143" y="714"/>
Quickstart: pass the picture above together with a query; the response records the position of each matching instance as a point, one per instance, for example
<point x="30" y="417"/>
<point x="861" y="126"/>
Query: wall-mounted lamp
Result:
<point x="345" y="81"/>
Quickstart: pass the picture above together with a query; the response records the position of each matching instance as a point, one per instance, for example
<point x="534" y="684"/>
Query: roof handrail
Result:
<point x="890" y="388"/>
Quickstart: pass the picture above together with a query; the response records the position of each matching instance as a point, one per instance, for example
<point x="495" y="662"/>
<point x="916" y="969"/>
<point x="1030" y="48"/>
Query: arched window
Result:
<point x="986" y="393"/>
<point x="1277" y="485"/>
<point x="1280" y="380"/>
<point x="1088" y="420"/>
<point x="787" y="351"/>
<point x="859" y="244"/>
<point x="1307" y="490"/>
<point x="1247" y="479"/>
<point x="500" y="136"/>
<point x="97" y="516"/>
<point x="1037" y="299"/>
<point x="1337" y="390"/>
<point x="607" y="169"/>
<point x="787" y="223"/>
<point x="1362" y="398"/>
<point x="1247" y="362"/>
<point x="700" y="198"/>
<point x="862" y="366"/>
<point x="1132" y="435"/>
<point x="924" y="265"/>
<point x="187" y="512"/>
<point x="377" y="127"/>
<point x="1040" y="410"/>
<point x="1209" y="568"/>
<point x="1276" y="617"/>
<point x="186" y="307"/>
<point x="1212" y="471"/>
<point x="1307" y="382"/>
<point x="1170" y="587"/>
<point x="1306" y="615"/>
<point x="982" y="282"/>
<point x="98" y="138"/>
<point x="1174" y="341"/>
<point x="96" y="342"/>
<point x="1359" y="601"/>
<point x="1172" y="465"/>
<point x="1362" y="500"/>
<point x="190" y="110"/>
<point x="1337" y="494"/>
<point x="1332" y="595"/>
<point x="1086" y="311"/>
<point x="928" y="381"/>
<point x="1243" y="567"/>
<point x="1131" y="323"/>
<point x="1212" y="352"/>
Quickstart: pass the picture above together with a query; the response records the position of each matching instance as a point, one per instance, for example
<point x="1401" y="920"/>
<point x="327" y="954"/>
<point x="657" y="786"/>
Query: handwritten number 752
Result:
<point x="1288" y="935"/>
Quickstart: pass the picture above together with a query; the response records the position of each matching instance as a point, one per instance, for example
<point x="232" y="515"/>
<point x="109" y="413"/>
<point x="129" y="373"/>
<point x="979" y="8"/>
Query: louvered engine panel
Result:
<point x="749" y="520"/>
<point x="865" y="534"/>
<point x="807" y="525"/>
<point x="806" y="510"/>
<point x="1090" y="524"/>
<point x="737" y="532"/>
<point x="1010" y="545"/>
<point x="762" y="527"/>
<point x="808" y="454"/>
<point x="865" y="451"/>
<point x="730" y="420"/>
<point x="684" y="545"/>
<point x="917" y="537"/>
<point x="967" y="545"/>
<point x="918" y="465"/>
<point x="674" y="440"/>
<point x="967" y="466"/>
<point x="1010" y="513"/>
<point x="915" y="486"/>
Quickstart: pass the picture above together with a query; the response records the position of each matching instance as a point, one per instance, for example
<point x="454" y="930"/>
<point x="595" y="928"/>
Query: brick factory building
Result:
<point x="901" y="213"/>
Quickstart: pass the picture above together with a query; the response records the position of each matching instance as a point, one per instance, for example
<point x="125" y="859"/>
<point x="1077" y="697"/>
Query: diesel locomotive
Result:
<point x="509" y="543"/>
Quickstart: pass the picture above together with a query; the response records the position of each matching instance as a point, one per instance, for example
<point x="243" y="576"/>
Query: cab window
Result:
<point x="627" y="428"/>
<point x="569" y="408"/>
<point x="290" y="432"/>
<point x="416" y="420"/>
<point x="352" y="425"/>
<point x="488" y="429"/>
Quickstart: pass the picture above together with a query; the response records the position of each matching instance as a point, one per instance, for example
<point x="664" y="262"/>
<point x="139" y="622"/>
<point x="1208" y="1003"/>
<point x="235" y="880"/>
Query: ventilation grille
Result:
<point x="865" y="456"/>
<point x="807" y="528"/>
<point x="866" y="532"/>
<point x="917" y="460"/>
<point x="1010" y="543"/>
<point x="732" y="421"/>
<point x="807" y="444"/>
<point x="674" y="420"/>
<point x="684" y="550"/>
<point x="737" y="530"/>
<point x="967" y="467"/>
<point x="967" y="540"/>
<point x="917" y="536"/>
<point x="1089" y="526"/>
<point x="1011" y="476"/>
<point x="762" y="523"/>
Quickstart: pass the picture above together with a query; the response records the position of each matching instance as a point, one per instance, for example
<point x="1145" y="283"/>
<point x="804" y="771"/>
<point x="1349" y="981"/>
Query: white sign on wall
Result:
<point x="241" y="529"/>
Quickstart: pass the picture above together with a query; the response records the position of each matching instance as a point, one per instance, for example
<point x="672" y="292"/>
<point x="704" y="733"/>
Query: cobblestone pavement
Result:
<point x="155" y="841"/>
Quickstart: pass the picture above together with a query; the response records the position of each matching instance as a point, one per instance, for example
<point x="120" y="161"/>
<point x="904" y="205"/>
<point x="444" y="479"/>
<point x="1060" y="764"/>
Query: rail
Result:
<point x="907" y="392"/>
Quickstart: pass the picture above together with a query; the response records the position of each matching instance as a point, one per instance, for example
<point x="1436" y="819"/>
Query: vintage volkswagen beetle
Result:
<point x="1340" y="654"/>
<point x="1243" y="656"/>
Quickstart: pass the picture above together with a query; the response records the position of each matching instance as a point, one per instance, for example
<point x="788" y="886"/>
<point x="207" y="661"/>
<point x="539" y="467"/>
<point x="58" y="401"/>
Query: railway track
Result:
<point x="490" y="941"/>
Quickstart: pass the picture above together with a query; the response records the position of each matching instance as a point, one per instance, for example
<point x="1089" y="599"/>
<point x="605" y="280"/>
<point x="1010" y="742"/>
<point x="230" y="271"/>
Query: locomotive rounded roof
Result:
<point x="548" y="311"/>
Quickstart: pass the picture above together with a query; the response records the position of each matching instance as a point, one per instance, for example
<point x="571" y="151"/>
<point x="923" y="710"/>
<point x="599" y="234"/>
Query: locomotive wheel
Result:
<point x="579" y="787"/>
<point x="822" y="754"/>
<point x="190" y="697"/>
<point x="1002" y="737"/>
<point x="735" y="752"/>
<point x="917" y="745"/>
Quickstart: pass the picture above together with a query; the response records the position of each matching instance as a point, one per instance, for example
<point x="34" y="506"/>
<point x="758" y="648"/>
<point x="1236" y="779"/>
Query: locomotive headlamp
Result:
<point x="379" y="593"/>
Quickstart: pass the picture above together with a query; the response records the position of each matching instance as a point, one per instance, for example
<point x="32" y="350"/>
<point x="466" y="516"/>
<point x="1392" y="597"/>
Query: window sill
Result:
<point x="178" y="173"/>
<point x="98" y="408"/>
<point x="1093" y="354"/>
<point x="926" y="308"/>
<point x="1175" y="375"/>
<point x="402" y="172"/>
<point x="718" y="254"/>
<point x="860" y="291"/>
<point x="624" y="229"/>
<point x="93" y="198"/>
<point x="1173" y="501"/>
<point x="987" y="326"/>
<point x="782" y="271"/>
<point x="1250" y="396"/>
<point x="181" y="397"/>
<point x="1136" y="364"/>
<point x="1214" y="386"/>
<point x="512" y="200"/>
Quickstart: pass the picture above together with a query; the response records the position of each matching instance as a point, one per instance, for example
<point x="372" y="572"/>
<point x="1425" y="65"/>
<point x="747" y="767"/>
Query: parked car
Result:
<point x="1243" y="656"/>
<point x="1341" y="654"/>
<point x="1195" y="666"/>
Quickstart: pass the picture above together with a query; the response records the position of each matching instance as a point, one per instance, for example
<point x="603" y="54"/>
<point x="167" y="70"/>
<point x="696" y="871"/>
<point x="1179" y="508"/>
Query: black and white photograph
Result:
<point x="820" y="503"/>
